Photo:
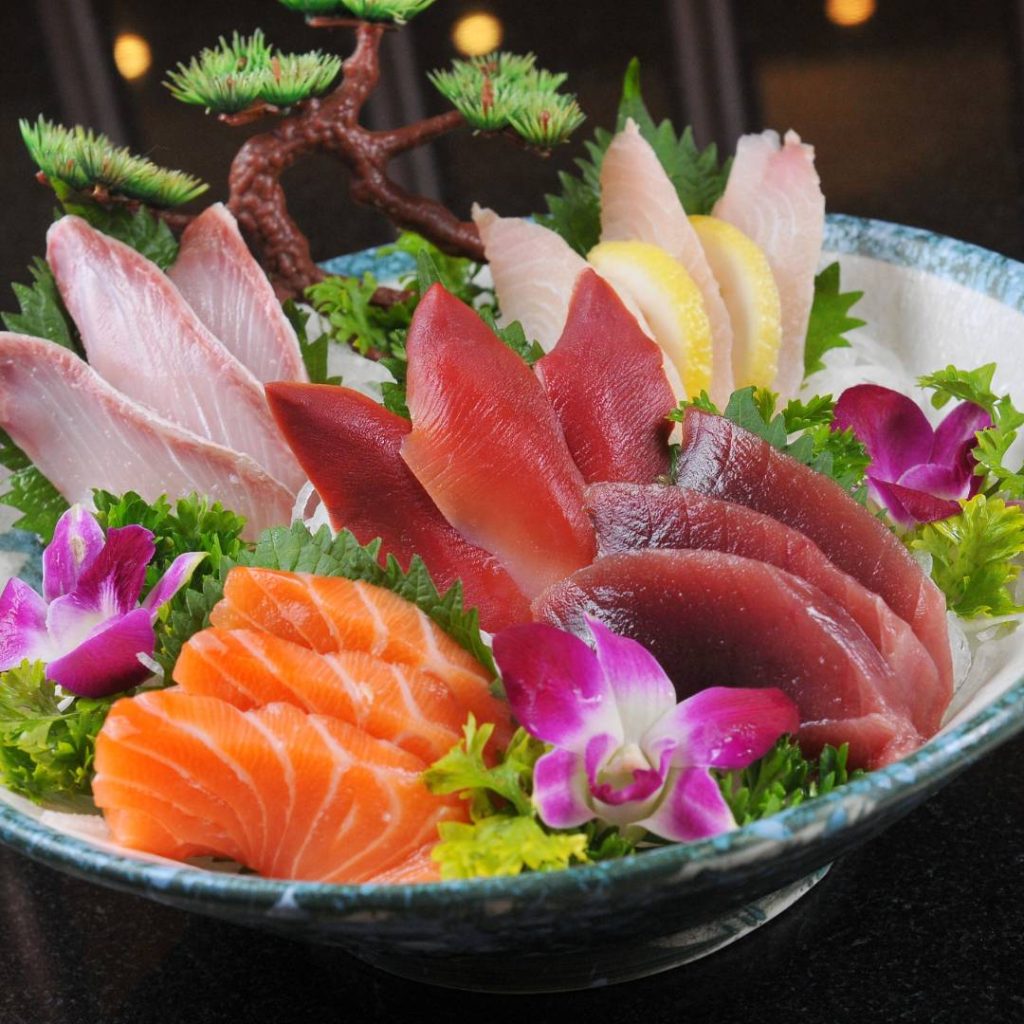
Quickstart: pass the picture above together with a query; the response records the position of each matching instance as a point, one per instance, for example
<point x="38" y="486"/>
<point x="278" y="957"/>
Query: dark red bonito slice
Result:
<point x="715" y="619"/>
<point x="488" y="449"/>
<point x="605" y="381"/>
<point x="350" y="448"/>
<point x="630" y="517"/>
<point x="726" y="461"/>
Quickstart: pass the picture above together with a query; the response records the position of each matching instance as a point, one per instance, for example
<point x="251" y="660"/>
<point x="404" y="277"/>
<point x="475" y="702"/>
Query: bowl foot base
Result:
<point x="596" y="967"/>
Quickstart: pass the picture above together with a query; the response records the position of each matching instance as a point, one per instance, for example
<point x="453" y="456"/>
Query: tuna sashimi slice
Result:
<point x="605" y="381"/>
<point x="488" y="449"/>
<point x="81" y="433"/>
<point x="640" y="203"/>
<point x="774" y="197"/>
<point x="288" y="794"/>
<point x="224" y="284"/>
<point x="534" y="271"/>
<point x="351" y="449"/>
<point x="715" y="619"/>
<point x="329" y="614"/>
<point x="142" y="337"/>
<point x="725" y="461"/>
<point x="628" y="517"/>
<point x="246" y="668"/>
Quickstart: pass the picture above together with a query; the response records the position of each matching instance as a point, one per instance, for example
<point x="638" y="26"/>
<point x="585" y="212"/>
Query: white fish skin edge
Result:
<point x="220" y="279"/>
<point x="81" y="433"/>
<point x="640" y="203"/>
<point x="143" y="338"/>
<point x="774" y="197"/>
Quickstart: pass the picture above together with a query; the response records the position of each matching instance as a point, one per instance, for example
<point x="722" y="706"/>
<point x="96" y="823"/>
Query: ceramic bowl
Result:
<point x="929" y="301"/>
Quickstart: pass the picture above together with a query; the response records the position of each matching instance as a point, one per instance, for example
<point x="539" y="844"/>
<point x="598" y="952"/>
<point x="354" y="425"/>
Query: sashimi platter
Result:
<point x="531" y="575"/>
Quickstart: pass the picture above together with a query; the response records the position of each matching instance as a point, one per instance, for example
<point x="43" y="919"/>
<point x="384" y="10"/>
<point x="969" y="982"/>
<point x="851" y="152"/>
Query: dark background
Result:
<point x="916" y="117"/>
<point x="915" y="114"/>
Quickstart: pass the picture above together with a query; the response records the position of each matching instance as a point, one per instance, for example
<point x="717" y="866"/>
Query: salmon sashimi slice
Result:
<point x="341" y="806"/>
<point x="81" y="433"/>
<point x="229" y="292"/>
<point x="629" y="517"/>
<point x="640" y="203"/>
<point x="605" y="381"/>
<point x="143" y="338"/>
<point x="723" y="460"/>
<point x="774" y="197"/>
<point x="246" y="668"/>
<point x="488" y="449"/>
<point x="716" y="619"/>
<point x="329" y="614"/>
<point x="534" y="271"/>
<point x="351" y="449"/>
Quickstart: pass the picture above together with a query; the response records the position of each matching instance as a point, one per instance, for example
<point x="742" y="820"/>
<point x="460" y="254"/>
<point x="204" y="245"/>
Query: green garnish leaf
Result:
<point x="42" y="313"/>
<point x="993" y="443"/>
<point x="28" y="491"/>
<point x="46" y="753"/>
<point x="514" y="337"/>
<point x="500" y="845"/>
<point x="463" y="770"/>
<point x="698" y="176"/>
<point x="314" y="353"/>
<point x="975" y="556"/>
<point x="829" y="320"/>
<point x="782" y="778"/>
<point x="143" y="231"/>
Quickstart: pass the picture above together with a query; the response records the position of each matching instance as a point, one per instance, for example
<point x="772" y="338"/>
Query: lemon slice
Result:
<point x="751" y="299"/>
<point x="649" y="278"/>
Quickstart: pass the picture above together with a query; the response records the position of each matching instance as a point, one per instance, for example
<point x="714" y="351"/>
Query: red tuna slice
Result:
<point x="715" y="619"/>
<point x="725" y="461"/>
<point x="487" y="447"/>
<point x="629" y="517"/>
<point x="609" y="391"/>
<point x="350" y="448"/>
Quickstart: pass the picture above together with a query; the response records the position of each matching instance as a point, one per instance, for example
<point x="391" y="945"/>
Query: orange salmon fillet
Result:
<point x="328" y="614"/>
<point x="288" y="794"/>
<point x="410" y="708"/>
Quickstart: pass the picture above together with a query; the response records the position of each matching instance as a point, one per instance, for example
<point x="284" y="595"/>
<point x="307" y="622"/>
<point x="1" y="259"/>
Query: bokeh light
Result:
<point x="132" y="55"/>
<point x="848" y="13"/>
<point x="477" y="33"/>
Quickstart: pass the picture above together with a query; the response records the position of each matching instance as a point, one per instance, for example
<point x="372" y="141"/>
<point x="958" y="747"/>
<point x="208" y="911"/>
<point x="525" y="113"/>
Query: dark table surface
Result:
<point x="925" y="923"/>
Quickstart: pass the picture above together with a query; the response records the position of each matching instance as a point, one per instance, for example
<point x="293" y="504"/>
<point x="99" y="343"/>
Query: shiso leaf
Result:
<point x="42" y="313"/>
<point x="829" y="320"/>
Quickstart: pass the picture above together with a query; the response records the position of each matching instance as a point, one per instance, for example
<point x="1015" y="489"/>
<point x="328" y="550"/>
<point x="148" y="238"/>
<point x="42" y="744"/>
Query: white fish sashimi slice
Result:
<point x="774" y="197"/>
<point x="640" y="203"/>
<point x="81" y="433"/>
<point x="534" y="272"/>
<point x="229" y="292"/>
<point x="143" y="338"/>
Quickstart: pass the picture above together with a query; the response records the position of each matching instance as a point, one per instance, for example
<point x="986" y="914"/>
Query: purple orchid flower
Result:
<point x="918" y="473"/>
<point x="88" y="627"/>
<point x="624" y="751"/>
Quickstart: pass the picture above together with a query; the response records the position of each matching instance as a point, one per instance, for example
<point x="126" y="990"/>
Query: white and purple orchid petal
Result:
<point x="956" y="436"/>
<point x="176" y="577"/>
<point x="920" y="507"/>
<point x="113" y="582"/>
<point x="22" y="625"/>
<point x="885" y="495"/>
<point x="108" y="661"/>
<point x="947" y="482"/>
<point x="560" y="790"/>
<point x="722" y="727"/>
<point x="77" y="541"/>
<point x="555" y="685"/>
<point x="693" y="808"/>
<point x="620" y="774"/>
<point x="642" y="690"/>
<point x="894" y="430"/>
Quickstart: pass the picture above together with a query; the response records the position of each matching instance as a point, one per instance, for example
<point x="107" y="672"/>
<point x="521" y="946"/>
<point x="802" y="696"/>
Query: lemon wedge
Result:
<point x="751" y="299"/>
<point x="647" y="277"/>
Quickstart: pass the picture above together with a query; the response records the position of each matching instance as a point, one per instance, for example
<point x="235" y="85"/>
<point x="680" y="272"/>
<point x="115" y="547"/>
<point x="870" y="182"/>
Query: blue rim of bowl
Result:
<point x="996" y="276"/>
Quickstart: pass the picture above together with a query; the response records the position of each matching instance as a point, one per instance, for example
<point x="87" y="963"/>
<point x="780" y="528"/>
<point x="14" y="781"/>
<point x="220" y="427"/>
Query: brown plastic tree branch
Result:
<point x="331" y="125"/>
